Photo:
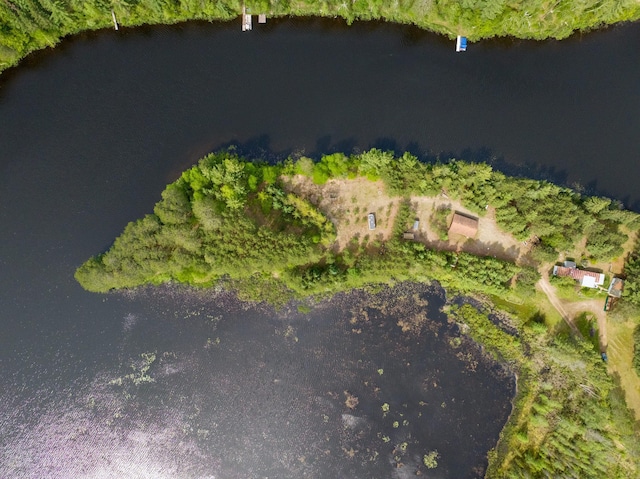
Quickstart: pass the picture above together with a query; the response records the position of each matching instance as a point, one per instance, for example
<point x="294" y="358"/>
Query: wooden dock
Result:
<point x="246" y="20"/>
<point x="262" y="18"/>
<point x="115" y="22"/>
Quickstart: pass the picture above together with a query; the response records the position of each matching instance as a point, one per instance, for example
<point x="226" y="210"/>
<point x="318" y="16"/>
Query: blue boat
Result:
<point x="461" y="44"/>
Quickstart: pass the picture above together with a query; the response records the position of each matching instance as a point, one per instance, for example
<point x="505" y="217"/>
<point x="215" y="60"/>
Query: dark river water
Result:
<point x="165" y="384"/>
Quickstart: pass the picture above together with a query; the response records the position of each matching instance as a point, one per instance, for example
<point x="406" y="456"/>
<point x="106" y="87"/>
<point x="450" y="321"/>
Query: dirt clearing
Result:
<point x="348" y="202"/>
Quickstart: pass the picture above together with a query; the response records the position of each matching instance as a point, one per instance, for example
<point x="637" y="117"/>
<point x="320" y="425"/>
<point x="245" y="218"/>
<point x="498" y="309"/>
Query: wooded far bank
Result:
<point x="29" y="25"/>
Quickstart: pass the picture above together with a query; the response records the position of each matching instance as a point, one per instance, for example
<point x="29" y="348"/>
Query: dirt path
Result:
<point x="346" y="202"/>
<point x="547" y="289"/>
<point x="570" y="309"/>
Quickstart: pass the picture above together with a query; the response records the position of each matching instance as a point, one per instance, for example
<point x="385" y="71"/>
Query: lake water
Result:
<point x="91" y="132"/>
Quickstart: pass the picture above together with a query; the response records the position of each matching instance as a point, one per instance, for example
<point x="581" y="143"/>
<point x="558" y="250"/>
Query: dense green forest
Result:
<point x="569" y="418"/>
<point x="28" y="25"/>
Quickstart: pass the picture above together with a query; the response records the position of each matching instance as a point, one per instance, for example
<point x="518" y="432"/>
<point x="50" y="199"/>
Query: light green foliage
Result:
<point x="232" y="221"/>
<point x="336" y="165"/>
<point x="430" y="460"/>
<point x="230" y="217"/>
<point x="374" y="163"/>
<point x="206" y="227"/>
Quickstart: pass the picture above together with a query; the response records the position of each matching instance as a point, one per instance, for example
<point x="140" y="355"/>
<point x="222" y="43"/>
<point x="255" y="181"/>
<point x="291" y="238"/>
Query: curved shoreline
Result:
<point x="27" y="32"/>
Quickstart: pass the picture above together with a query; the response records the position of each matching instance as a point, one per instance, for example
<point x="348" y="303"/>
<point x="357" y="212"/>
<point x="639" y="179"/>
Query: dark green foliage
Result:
<point x="232" y="222"/>
<point x="526" y="280"/>
<point x="636" y="349"/>
<point x="440" y="221"/>
<point x="229" y="217"/>
<point x="631" y="290"/>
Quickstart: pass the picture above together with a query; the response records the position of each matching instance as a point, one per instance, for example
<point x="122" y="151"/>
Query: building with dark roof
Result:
<point x="464" y="225"/>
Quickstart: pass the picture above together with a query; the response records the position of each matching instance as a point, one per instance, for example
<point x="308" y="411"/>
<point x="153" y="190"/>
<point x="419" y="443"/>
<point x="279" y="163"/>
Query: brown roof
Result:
<point x="463" y="225"/>
<point x="615" y="288"/>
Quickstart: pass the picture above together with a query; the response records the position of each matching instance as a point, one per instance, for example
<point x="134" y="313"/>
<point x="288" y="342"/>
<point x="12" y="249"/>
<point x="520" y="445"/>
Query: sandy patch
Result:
<point x="490" y="240"/>
<point x="347" y="203"/>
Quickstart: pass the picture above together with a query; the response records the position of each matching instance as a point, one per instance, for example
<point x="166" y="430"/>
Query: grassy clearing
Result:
<point x="621" y="346"/>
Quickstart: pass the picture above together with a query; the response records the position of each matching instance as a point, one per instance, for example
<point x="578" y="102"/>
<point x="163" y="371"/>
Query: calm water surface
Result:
<point x="91" y="132"/>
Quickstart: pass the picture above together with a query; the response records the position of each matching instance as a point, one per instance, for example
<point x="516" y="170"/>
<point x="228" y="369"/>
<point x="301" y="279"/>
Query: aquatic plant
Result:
<point x="430" y="460"/>
<point x="351" y="400"/>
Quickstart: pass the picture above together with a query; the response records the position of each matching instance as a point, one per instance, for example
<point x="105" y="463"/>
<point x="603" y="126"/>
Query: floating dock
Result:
<point x="461" y="44"/>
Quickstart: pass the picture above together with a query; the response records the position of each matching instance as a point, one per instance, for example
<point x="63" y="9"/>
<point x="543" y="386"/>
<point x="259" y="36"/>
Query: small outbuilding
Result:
<point x="615" y="288"/>
<point x="464" y="225"/>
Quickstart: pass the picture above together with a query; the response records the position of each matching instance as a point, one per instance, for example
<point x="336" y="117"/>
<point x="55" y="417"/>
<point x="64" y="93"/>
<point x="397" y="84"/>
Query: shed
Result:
<point x="463" y="225"/>
<point x="408" y="236"/>
<point x="615" y="288"/>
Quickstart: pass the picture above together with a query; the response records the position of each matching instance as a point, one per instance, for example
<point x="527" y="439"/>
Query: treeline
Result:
<point x="554" y="217"/>
<point x="231" y="220"/>
<point x="28" y="25"/>
<point x="568" y="420"/>
<point x="631" y="290"/>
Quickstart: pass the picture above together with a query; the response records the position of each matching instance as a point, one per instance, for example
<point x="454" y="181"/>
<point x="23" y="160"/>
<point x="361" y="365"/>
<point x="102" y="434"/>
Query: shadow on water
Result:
<point x="259" y="147"/>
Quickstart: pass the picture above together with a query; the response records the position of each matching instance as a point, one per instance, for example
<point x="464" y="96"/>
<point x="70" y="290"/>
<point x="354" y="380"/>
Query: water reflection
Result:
<point x="205" y="386"/>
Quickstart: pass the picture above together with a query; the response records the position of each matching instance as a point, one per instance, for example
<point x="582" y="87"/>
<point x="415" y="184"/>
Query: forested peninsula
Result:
<point x="29" y="25"/>
<point x="304" y="230"/>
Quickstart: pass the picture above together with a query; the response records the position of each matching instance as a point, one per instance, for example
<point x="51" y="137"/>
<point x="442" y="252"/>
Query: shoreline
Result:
<point x="11" y="58"/>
